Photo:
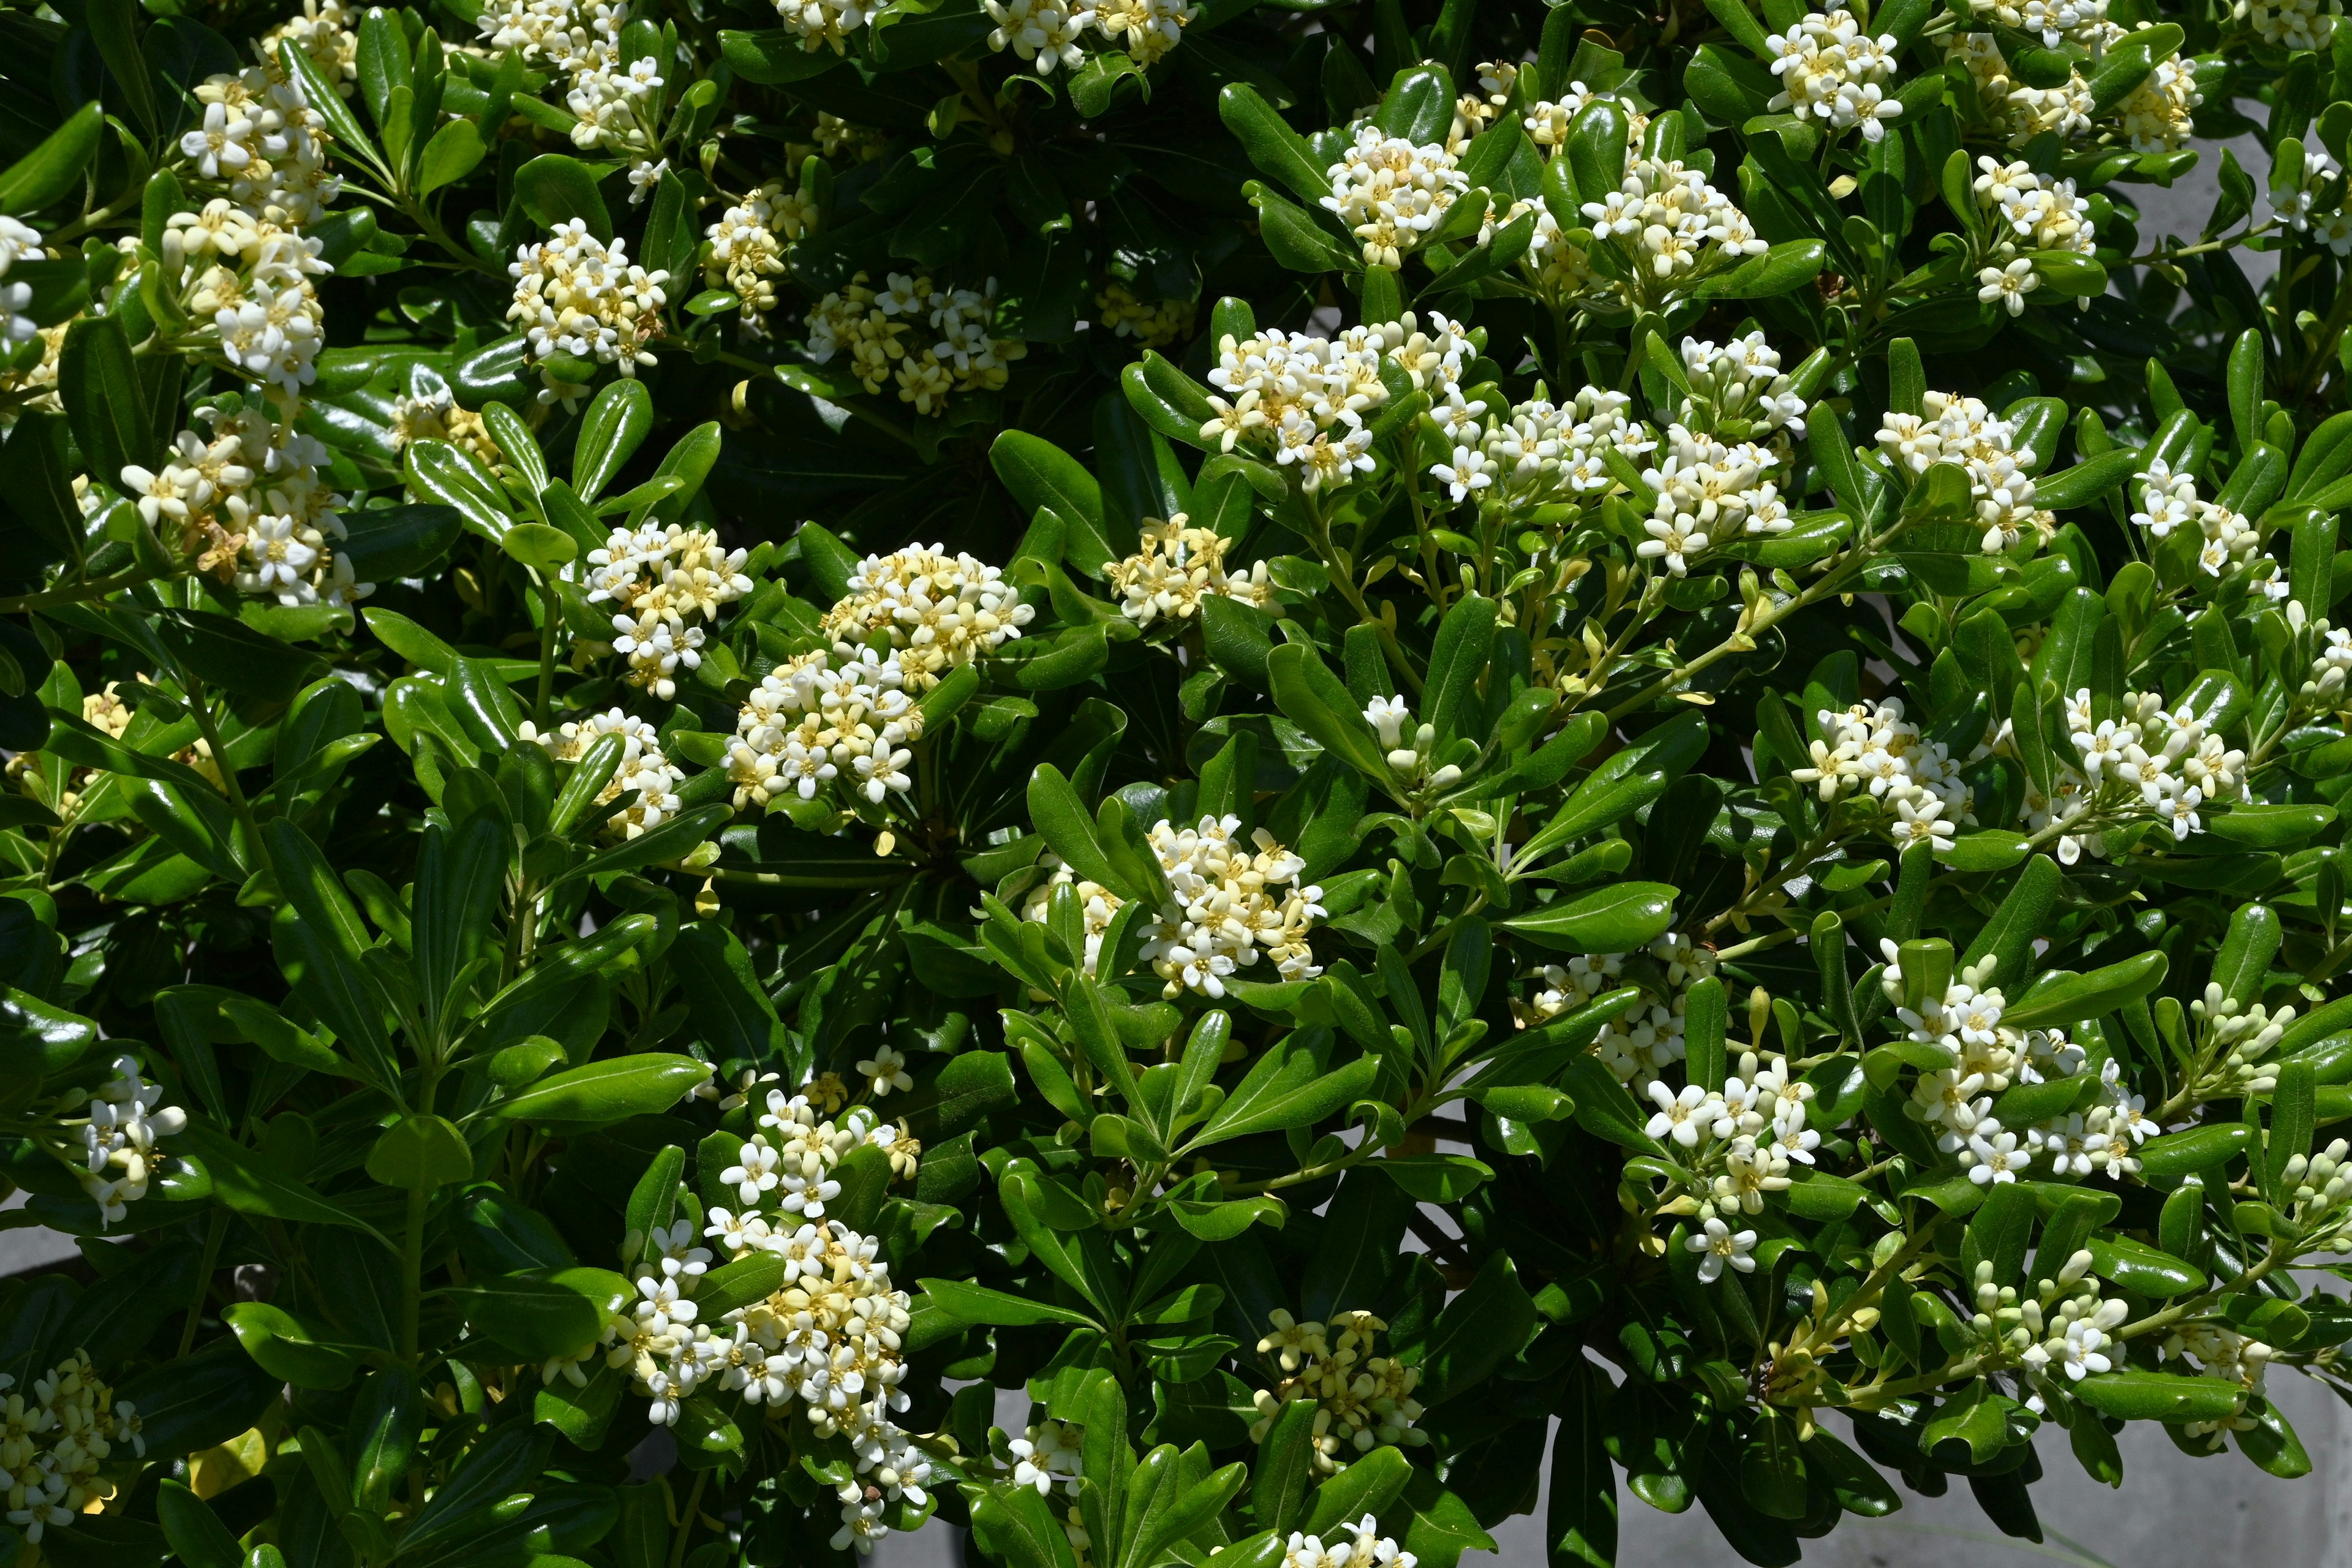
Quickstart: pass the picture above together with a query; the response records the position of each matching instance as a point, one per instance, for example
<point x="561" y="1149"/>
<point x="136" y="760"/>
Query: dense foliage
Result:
<point x="739" y="732"/>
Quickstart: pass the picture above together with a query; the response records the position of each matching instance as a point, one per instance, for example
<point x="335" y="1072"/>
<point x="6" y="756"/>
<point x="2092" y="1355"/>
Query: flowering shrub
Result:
<point x="1186" y="780"/>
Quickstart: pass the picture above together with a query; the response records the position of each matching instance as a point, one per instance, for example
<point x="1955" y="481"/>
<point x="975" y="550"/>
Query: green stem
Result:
<point x="80" y="593"/>
<point x="202" y="711"/>
<point x="212" y="1238"/>
<point x="412" y="1271"/>
<point x="686" y="1524"/>
<point x="1744" y="639"/>
<point x="548" y="614"/>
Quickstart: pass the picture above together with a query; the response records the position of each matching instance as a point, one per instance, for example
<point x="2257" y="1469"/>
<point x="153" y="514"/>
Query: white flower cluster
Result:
<point x="808" y="723"/>
<point x="2217" y="1351"/>
<point x="1226" y="907"/>
<point x="1741" y="1137"/>
<point x="562" y="34"/>
<point x="1985" y="1057"/>
<point x="54" y="1443"/>
<point x="261" y="137"/>
<point x="1878" y="750"/>
<point x="1391" y="193"/>
<point x="124" y="1118"/>
<point x="1547" y="120"/>
<point x="329" y="33"/>
<point x="1830" y="69"/>
<point x="1049" y="32"/>
<point x="2145" y="762"/>
<point x="2169" y="500"/>
<point x="1671" y="228"/>
<point x="1302" y="399"/>
<point x="829" y="1338"/>
<point x="1363" y="1546"/>
<point x="658" y="579"/>
<point x="1962" y="431"/>
<point x="1414" y="764"/>
<point x="2331" y="663"/>
<point x="869" y="327"/>
<point x="1177" y="566"/>
<point x="246" y="505"/>
<point x="576" y="295"/>
<point x="434" y="415"/>
<point x="19" y="241"/>
<point x="2292" y="24"/>
<point x="614" y="102"/>
<point x="1635" y="1047"/>
<point x="2314" y="204"/>
<point x="820" y="23"/>
<point x="1364" y="1401"/>
<point x="2240" y="1039"/>
<point x="250" y="276"/>
<point x="2029" y="212"/>
<point x="1705" y="491"/>
<point x="2156" y="116"/>
<point x="1542" y="452"/>
<point x="2060" y="1330"/>
<point x="642" y="769"/>
<point x="747" y="246"/>
<point x="934" y="611"/>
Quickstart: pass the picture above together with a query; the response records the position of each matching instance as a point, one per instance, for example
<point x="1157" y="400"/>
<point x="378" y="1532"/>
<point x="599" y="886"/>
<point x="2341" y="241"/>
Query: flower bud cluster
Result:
<point x="1362" y="1546"/>
<point x="1832" y="69"/>
<point x="1177" y="566"/>
<point x="122" y="1123"/>
<point x="246" y="504"/>
<point x="1741" y="1137"/>
<point x="2141" y="762"/>
<point x="747" y="246"/>
<point x="1363" y="1401"/>
<point x="2169" y="500"/>
<point x="55" y="1438"/>
<point x="1872" y="747"/>
<point x="660" y="579"/>
<point x="1391" y="194"/>
<point x="577" y="296"/>
<point x="642" y="769"/>
<point x="831" y="1337"/>
<point x="870" y="328"/>
<point x="1640" y="1044"/>
<point x="1302" y="400"/>
<point x="812" y="722"/>
<point x="934" y="610"/>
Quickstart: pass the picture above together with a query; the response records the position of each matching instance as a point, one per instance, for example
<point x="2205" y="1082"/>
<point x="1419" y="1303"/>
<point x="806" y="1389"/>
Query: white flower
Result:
<point x="2009" y="285"/>
<point x="887" y="1072"/>
<point x="1719" y="1245"/>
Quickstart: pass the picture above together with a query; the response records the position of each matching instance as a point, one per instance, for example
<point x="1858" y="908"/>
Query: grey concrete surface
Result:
<point x="34" y="1246"/>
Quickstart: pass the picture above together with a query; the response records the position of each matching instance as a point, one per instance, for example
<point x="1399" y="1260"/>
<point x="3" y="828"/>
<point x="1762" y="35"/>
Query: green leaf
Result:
<point x="1619" y="919"/>
<point x="198" y="1537"/>
<point x="245" y="1181"/>
<point x="614" y="426"/>
<point x="1313" y="697"/>
<point x="450" y="156"/>
<point x="978" y="1305"/>
<point x="420" y="1153"/>
<point x="50" y="171"/>
<point x="455" y="478"/>
<point x="1369" y="1485"/>
<point x="389" y="542"/>
<point x="1041" y="475"/>
<point x="1287" y="1086"/>
<point x="99" y="382"/>
<point x="537" y="1319"/>
<point x="604" y="1092"/>
<point x="285" y="1347"/>
<point x="1273" y="146"/>
<point x="1479" y="1330"/>
<point x="2159" y="1396"/>
<point x="2076" y="998"/>
<point x="553" y="189"/>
